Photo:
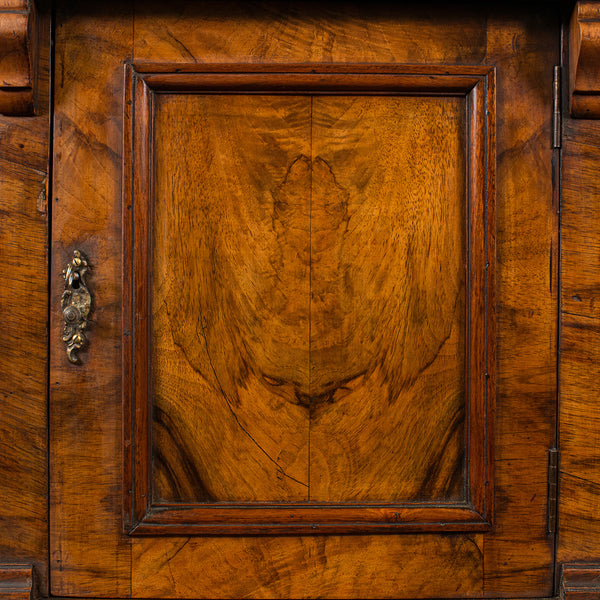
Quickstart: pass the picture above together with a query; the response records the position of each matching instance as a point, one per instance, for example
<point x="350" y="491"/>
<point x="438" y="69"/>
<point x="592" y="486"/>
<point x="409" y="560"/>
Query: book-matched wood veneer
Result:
<point x="465" y="507"/>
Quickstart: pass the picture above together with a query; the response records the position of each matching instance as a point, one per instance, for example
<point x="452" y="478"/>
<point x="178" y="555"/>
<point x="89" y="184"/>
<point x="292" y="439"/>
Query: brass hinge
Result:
<point x="556" y="115"/>
<point x="552" y="489"/>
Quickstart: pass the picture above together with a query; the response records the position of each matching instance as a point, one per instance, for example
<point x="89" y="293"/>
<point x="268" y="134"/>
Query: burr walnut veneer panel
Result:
<point x="309" y="329"/>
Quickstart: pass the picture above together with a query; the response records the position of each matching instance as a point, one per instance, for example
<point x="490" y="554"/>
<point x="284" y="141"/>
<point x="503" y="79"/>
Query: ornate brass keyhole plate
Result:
<point x="76" y="302"/>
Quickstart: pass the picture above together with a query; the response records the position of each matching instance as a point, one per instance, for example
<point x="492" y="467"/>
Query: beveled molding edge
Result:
<point x="584" y="60"/>
<point x="17" y="51"/>
<point x="580" y="581"/>
<point x="16" y="582"/>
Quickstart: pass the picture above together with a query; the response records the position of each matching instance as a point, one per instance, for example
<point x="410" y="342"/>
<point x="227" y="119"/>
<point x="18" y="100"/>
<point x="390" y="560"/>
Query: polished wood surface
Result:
<point x="89" y="557"/>
<point x="519" y="550"/>
<point x="579" y="482"/>
<point x="230" y="328"/>
<point x="387" y="404"/>
<point x="24" y="156"/>
<point x="310" y="567"/>
<point x="516" y="557"/>
<point x="239" y="323"/>
<point x="85" y="412"/>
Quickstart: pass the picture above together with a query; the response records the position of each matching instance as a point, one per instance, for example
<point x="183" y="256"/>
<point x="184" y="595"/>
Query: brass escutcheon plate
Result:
<point x="76" y="303"/>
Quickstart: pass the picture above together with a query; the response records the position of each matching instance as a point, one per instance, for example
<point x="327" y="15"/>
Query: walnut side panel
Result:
<point x="579" y="477"/>
<point x="387" y="401"/>
<point x="23" y="314"/>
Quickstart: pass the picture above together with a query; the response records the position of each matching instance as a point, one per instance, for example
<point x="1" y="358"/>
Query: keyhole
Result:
<point x="75" y="281"/>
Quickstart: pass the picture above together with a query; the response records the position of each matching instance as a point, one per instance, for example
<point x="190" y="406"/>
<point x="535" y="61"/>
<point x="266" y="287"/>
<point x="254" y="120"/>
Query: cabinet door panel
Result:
<point x="296" y="328"/>
<point x="307" y="363"/>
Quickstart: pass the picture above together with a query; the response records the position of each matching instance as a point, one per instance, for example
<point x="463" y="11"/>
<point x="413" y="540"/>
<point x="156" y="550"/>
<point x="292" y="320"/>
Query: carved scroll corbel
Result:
<point x="584" y="60"/>
<point x="17" y="33"/>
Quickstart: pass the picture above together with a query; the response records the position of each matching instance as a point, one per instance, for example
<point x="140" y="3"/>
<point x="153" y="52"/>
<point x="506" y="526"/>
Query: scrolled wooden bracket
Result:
<point x="17" y="51"/>
<point x="584" y="60"/>
<point x="16" y="582"/>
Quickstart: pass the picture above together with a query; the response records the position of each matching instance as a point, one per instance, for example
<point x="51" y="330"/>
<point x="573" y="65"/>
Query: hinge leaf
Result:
<point x="552" y="489"/>
<point x="556" y="108"/>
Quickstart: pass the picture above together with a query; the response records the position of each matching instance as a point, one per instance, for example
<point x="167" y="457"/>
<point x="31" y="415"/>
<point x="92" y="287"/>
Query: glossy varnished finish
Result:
<point x="226" y="379"/>
<point x="519" y="553"/>
<point x="23" y="315"/>
<point x="280" y="221"/>
<point x="85" y="415"/>
<point x="578" y="548"/>
<point x="579" y="481"/>
<point x="310" y="567"/>
<point x="88" y="534"/>
<point x="580" y="245"/>
<point x="388" y="404"/>
<point x="515" y="559"/>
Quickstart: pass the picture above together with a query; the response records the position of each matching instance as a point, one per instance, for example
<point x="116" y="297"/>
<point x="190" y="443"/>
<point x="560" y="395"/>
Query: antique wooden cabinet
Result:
<point x="299" y="300"/>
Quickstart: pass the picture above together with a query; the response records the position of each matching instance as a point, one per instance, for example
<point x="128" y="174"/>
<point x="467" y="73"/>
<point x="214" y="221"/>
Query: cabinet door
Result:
<point x="319" y="244"/>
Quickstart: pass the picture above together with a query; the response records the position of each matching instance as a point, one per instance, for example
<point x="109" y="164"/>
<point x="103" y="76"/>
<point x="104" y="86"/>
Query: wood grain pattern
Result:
<point x="387" y="380"/>
<point x="579" y="218"/>
<point x="189" y="33"/>
<point x="519" y="552"/>
<point x="262" y="339"/>
<point x="313" y="33"/>
<point x="579" y="482"/>
<point x="516" y="557"/>
<point x="310" y="567"/>
<point x="276" y="348"/>
<point x="23" y="311"/>
<point x="584" y="60"/>
<point x="87" y="552"/>
<point x="230" y="325"/>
